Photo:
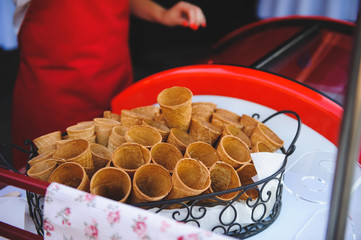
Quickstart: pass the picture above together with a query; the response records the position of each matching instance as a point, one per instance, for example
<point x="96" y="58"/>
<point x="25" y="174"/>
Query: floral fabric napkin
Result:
<point x="73" y="214"/>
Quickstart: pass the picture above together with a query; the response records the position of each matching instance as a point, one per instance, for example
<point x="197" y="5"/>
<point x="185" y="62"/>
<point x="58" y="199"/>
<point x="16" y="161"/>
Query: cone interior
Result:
<point x="174" y="96"/>
<point x="202" y="152"/>
<point x="166" y="155"/>
<point x="130" y="156"/>
<point x="71" y="149"/>
<point x="69" y="174"/>
<point x="236" y="149"/>
<point x="192" y="174"/>
<point x="144" y="135"/>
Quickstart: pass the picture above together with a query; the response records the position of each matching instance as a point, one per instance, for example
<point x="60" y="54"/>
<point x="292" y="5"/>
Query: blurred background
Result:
<point x="155" y="48"/>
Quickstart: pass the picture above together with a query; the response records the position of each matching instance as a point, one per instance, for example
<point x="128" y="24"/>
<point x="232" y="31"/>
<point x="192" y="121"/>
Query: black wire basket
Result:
<point x="199" y="210"/>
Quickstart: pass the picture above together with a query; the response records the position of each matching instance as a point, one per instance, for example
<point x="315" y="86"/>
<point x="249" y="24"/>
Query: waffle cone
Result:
<point x="41" y="157"/>
<point x="129" y="118"/>
<point x="204" y="131"/>
<point x="113" y="183"/>
<point x="103" y="124"/>
<point x="233" y="151"/>
<point x="76" y="150"/>
<point x="47" y="149"/>
<point x="203" y="110"/>
<point x="190" y="178"/>
<point x="249" y="124"/>
<point x="130" y="156"/>
<point x="203" y="152"/>
<point x="101" y="155"/>
<point x="267" y="136"/>
<point x="166" y="155"/>
<point x="110" y="115"/>
<point x="144" y="135"/>
<point x="102" y="137"/>
<point x="117" y="137"/>
<point x="236" y="130"/>
<point x="42" y="170"/>
<point x="260" y="147"/>
<point x="160" y="127"/>
<point x="47" y="140"/>
<point x="180" y="139"/>
<point x="221" y="117"/>
<point x="71" y="174"/>
<point x="151" y="182"/>
<point x="245" y="174"/>
<point x="224" y="177"/>
<point x="81" y="130"/>
<point x="149" y="112"/>
<point x="176" y="106"/>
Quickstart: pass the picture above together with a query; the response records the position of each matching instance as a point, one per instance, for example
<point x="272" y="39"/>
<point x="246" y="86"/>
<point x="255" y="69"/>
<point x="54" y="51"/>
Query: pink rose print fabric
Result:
<point x="73" y="214"/>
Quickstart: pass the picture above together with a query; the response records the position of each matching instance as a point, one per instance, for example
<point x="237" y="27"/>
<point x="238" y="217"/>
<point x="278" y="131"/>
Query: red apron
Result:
<point x="74" y="59"/>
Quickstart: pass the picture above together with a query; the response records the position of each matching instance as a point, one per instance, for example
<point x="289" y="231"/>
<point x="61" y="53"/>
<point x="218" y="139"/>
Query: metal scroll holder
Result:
<point x="194" y="210"/>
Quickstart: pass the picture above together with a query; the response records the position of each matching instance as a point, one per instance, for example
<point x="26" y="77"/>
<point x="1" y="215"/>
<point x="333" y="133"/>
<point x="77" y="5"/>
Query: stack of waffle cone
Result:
<point x="117" y="137"/>
<point x="144" y="135"/>
<point x="103" y="128"/>
<point x="203" y="110"/>
<point x="151" y="182"/>
<point x="71" y="174"/>
<point x="159" y="126"/>
<point x="41" y="157"/>
<point x="130" y="156"/>
<point x="236" y="130"/>
<point x="47" y="142"/>
<point x="129" y="118"/>
<point x="166" y="155"/>
<point x="190" y="178"/>
<point x="245" y="174"/>
<point x="204" y="131"/>
<point x="84" y="130"/>
<point x="42" y="170"/>
<point x="233" y="151"/>
<point x="224" y="177"/>
<point x="101" y="155"/>
<point x="203" y="152"/>
<point x="264" y="134"/>
<point x="176" y="107"/>
<point x="76" y="150"/>
<point x="180" y="139"/>
<point x="110" y="182"/>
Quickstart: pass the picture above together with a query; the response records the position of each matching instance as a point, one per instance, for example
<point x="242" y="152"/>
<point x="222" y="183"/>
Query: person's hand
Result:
<point x="184" y="14"/>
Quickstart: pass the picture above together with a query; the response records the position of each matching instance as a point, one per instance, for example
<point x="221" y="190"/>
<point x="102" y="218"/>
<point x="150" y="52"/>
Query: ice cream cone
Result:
<point x="81" y="130"/>
<point x="41" y="157"/>
<point x="203" y="111"/>
<point x="117" y="137"/>
<point x="204" y="131"/>
<point x="160" y="127"/>
<point x="61" y="142"/>
<point x="144" y="135"/>
<point x="129" y="118"/>
<point x="103" y="128"/>
<point x="111" y="115"/>
<point x="47" y="140"/>
<point x="233" y="151"/>
<point x="113" y="183"/>
<point x="42" y="170"/>
<point x="236" y="130"/>
<point x="180" y="139"/>
<point x="176" y="106"/>
<point x="76" y="150"/>
<point x="71" y="174"/>
<point x="249" y="124"/>
<point x="221" y="117"/>
<point x="151" y="182"/>
<point x="267" y="136"/>
<point x="101" y="155"/>
<point x="130" y="156"/>
<point x="245" y="174"/>
<point x="150" y="111"/>
<point x="203" y="152"/>
<point x="190" y="178"/>
<point x="224" y="177"/>
<point x="166" y="155"/>
<point x="260" y="147"/>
